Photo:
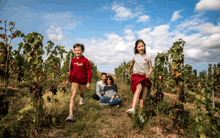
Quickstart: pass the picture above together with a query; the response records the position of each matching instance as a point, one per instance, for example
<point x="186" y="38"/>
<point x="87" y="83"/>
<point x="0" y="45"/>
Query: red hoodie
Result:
<point x="80" y="70"/>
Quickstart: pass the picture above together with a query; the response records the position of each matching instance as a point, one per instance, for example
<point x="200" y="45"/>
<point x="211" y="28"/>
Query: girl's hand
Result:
<point x="147" y="75"/>
<point x="67" y="82"/>
<point x="128" y="71"/>
<point x="111" y="100"/>
<point x="87" y="85"/>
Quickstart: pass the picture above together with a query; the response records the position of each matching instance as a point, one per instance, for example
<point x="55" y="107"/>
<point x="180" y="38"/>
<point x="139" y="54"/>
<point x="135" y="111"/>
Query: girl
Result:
<point x="110" y="91"/>
<point x="140" y="83"/>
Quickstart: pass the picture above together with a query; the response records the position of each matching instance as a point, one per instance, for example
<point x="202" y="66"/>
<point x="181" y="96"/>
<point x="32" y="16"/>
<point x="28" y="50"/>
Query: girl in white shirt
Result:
<point x="140" y="83"/>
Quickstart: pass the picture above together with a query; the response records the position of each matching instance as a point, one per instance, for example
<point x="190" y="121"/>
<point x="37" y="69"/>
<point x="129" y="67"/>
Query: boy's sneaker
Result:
<point x="141" y="119"/>
<point x="103" y="103"/>
<point x="130" y="112"/>
<point x="81" y="101"/>
<point x="69" y="118"/>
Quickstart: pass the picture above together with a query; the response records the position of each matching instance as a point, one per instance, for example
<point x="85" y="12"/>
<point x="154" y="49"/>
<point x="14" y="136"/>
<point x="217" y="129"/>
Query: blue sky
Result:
<point x="109" y="28"/>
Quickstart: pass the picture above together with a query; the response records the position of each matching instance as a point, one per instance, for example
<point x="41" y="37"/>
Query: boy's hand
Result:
<point x="87" y="85"/>
<point x="111" y="100"/>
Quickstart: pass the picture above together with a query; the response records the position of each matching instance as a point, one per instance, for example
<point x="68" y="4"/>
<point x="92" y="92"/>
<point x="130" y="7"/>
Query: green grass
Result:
<point x="91" y="119"/>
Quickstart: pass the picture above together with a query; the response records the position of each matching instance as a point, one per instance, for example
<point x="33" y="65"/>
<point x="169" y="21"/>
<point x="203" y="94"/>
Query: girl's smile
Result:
<point x="140" y="48"/>
<point x="109" y="82"/>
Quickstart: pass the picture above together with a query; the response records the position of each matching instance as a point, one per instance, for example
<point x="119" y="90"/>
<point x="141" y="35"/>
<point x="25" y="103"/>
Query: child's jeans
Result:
<point x="107" y="100"/>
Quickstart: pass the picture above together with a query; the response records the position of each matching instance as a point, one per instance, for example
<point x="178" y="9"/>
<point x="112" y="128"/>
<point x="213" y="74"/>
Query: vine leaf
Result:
<point x="29" y="58"/>
<point x="11" y="23"/>
<point x="20" y="46"/>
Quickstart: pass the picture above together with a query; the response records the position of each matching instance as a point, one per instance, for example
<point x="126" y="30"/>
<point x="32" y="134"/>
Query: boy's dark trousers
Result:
<point x="95" y="96"/>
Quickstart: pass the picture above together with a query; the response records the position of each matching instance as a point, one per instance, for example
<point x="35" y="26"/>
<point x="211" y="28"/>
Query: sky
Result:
<point x="109" y="28"/>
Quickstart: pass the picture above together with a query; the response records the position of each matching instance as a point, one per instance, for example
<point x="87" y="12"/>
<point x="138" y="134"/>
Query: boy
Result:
<point x="80" y="75"/>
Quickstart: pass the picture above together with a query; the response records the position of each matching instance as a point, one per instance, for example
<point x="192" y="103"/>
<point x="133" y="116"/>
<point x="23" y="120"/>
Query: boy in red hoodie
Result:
<point x="80" y="75"/>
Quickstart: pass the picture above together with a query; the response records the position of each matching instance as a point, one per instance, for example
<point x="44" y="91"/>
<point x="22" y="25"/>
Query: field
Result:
<point x="28" y="108"/>
<point x="91" y="119"/>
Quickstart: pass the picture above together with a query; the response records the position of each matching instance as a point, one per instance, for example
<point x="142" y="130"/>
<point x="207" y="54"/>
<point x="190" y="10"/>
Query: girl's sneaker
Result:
<point x="103" y="103"/>
<point x="141" y="119"/>
<point x="69" y="118"/>
<point x="81" y="101"/>
<point x="130" y="112"/>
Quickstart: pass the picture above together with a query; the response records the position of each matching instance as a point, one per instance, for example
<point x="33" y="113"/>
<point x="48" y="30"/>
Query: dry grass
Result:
<point x="93" y="120"/>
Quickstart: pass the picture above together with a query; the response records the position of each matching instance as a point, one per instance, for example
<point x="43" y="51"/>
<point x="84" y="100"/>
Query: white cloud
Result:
<point x="200" y="46"/>
<point x="207" y="34"/>
<point x="197" y="54"/>
<point x="121" y="47"/>
<point x="109" y="51"/>
<point x="123" y="13"/>
<point x="143" y="18"/>
<point x="101" y="51"/>
<point x="152" y="52"/>
<point x="192" y="53"/>
<point x="113" y="37"/>
<point x="129" y="35"/>
<point x="176" y="15"/>
<point x="160" y="30"/>
<point x="208" y="5"/>
<point x="211" y="41"/>
<point x="190" y="25"/>
<point x="144" y="32"/>
<point x="199" y="25"/>
<point x="209" y="28"/>
<point x="144" y="35"/>
<point x="55" y="34"/>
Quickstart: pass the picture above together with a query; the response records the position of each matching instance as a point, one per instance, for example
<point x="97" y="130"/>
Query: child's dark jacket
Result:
<point x="80" y="70"/>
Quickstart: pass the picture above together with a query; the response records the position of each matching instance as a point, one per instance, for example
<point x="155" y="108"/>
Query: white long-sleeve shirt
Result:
<point x="100" y="88"/>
